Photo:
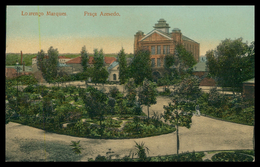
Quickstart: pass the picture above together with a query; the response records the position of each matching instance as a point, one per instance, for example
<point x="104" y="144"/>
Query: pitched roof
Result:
<point x="187" y="39"/>
<point x="159" y="32"/>
<point x="112" y="65"/>
<point x="109" y="60"/>
<point x="77" y="60"/>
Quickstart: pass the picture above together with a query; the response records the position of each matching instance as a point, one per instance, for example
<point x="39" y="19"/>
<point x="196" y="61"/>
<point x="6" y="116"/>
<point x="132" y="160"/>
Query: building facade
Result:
<point x="161" y="42"/>
<point x="62" y="60"/>
<point x="77" y="67"/>
<point x="113" y="70"/>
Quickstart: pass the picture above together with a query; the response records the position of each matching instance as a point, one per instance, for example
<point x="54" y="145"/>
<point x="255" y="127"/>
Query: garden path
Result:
<point x="24" y="143"/>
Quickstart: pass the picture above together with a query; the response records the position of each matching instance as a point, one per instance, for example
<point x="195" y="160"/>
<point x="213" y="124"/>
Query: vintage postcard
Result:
<point x="130" y="83"/>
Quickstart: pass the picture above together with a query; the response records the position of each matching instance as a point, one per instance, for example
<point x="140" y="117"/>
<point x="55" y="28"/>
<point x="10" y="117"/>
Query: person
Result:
<point x="197" y="108"/>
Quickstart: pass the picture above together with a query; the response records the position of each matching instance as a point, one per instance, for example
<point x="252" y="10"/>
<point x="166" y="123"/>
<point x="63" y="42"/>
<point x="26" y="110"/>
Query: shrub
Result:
<point x="29" y="89"/>
<point x="113" y="91"/>
<point x="100" y="158"/>
<point x="231" y="157"/>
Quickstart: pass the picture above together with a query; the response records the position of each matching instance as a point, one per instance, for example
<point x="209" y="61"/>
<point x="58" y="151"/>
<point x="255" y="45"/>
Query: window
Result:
<point x="158" y="49"/>
<point x="166" y="49"/>
<point x="114" y="77"/>
<point x="153" y="62"/>
<point x="153" y="50"/>
<point x="158" y="62"/>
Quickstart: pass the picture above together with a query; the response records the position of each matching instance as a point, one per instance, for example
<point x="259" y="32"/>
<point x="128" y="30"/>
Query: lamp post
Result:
<point x="17" y="69"/>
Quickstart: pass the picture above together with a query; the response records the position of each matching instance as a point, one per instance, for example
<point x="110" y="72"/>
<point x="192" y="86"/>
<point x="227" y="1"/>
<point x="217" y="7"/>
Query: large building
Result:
<point x="161" y="42"/>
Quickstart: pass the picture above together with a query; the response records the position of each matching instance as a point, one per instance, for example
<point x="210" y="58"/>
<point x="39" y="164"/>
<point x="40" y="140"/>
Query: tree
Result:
<point x="187" y="89"/>
<point x="186" y="59"/>
<point x="95" y="104"/>
<point x="147" y="94"/>
<point x="84" y="62"/>
<point x="176" y="115"/>
<point x="231" y="62"/>
<point x="140" y="67"/>
<point x="122" y="66"/>
<point x="99" y="73"/>
<point x="131" y="91"/>
<point x="48" y="65"/>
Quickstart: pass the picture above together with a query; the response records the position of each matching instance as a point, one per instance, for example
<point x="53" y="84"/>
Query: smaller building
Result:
<point x="62" y="60"/>
<point x="249" y="89"/>
<point x="113" y="70"/>
<point x="77" y="67"/>
<point x="200" y="70"/>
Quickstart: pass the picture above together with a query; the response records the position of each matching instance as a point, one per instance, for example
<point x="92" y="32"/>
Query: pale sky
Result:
<point x="207" y="25"/>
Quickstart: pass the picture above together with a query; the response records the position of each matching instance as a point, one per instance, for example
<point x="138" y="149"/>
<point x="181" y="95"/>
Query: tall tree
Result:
<point x="185" y="58"/>
<point x="147" y="94"/>
<point x="48" y="65"/>
<point x="131" y="91"/>
<point x="122" y="66"/>
<point x="140" y="67"/>
<point x="227" y="63"/>
<point x="98" y="67"/>
<point x="84" y="63"/>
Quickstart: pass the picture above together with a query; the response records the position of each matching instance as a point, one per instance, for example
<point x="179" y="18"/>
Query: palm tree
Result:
<point x="140" y="151"/>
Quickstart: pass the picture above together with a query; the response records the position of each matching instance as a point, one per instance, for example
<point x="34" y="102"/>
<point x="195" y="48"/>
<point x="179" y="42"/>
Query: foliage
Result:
<point x="147" y="94"/>
<point x="231" y="157"/>
<point x="84" y="58"/>
<point x="95" y="104"/>
<point x="76" y="147"/>
<point x="113" y="91"/>
<point x="123" y="75"/>
<point x="48" y="66"/>
<point x="140" y="67"/>
<point x="137" y="109"/>
<point x="131" y="92"/>
<point x="24" y="79"/>
<point x="141" y="150"/>
<point x="185" y="56"/>
<point x="187" y="89"/>
<point x="231" y="62"/>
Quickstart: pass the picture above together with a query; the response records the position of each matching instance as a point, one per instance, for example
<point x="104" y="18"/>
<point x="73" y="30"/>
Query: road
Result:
<point x="24" y="143"/>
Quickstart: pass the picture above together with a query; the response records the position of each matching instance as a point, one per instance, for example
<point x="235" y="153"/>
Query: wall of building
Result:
<point x="193" y="47"/>
<point x="249" y="90"/>
<point x="112" y="72"/>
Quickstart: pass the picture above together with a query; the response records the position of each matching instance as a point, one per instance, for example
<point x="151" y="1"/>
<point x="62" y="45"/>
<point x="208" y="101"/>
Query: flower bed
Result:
<point x="231" y="157"/>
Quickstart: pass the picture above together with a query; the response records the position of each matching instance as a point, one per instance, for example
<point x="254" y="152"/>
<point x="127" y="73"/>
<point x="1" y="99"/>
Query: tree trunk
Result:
<point x="178" y="142"/>
<point x="148" y="111"/>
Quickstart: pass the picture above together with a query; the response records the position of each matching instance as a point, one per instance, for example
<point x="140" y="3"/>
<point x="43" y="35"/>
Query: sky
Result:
<point x="69" y="29"/>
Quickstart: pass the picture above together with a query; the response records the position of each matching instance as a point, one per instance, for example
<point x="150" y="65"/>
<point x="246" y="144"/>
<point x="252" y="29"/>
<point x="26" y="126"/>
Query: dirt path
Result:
<point x="24" y="143"/>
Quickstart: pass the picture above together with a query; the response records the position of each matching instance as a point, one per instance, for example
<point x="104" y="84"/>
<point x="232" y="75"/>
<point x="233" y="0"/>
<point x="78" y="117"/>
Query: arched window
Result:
<point x="114" y="76"/>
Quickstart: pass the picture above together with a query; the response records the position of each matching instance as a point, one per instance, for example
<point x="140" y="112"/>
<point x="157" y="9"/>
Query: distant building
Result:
<point x="77" y="67"/>
<point x="113" y="70"/>
<point x="62" y="60"/>
<point x="200" y="70"/>
<point x="161" y="42"/>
